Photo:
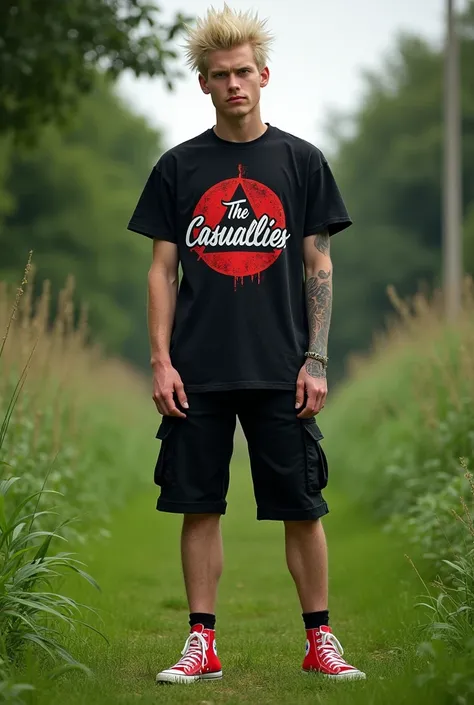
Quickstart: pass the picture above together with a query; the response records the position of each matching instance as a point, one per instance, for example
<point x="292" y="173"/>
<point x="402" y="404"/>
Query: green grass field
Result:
<point x="99" y="427"/>
<point x="260" y="631"/>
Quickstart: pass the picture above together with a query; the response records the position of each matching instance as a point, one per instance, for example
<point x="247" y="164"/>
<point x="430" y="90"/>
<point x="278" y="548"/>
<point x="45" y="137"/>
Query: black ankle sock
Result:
<point x="314" y="620"/>
<point x="207" y="620"/>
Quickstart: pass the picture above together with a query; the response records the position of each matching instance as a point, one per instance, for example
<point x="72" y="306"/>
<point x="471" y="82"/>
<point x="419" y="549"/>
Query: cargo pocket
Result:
<point x="316" y="461"/>
<point x="164" y="463"/>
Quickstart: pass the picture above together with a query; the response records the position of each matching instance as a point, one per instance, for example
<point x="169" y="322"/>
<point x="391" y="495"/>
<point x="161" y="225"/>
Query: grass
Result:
<point x="260" y="630"/>
<point x="89" y="428"/>
<point x="407" y="416"/>
<point x="74" y="405"/>
<point x="63" y="410"/>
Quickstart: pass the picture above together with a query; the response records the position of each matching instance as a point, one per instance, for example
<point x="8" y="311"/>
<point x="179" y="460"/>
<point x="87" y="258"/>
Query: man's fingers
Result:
<point x="171" y="408"/>
<point x="308" y="411"/>
<point x="158" y="403"/>
<point x="320" y="401"/>
<point x="159" y="407"/>
<point x="319" y="404"/>
<point x="181" y="394"/>
<point x="165" y="404"/>
<point x="299" y="393"/>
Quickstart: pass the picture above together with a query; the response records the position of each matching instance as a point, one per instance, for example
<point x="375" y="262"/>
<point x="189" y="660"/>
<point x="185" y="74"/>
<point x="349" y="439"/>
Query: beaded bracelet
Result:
<point x="323" y="359"/>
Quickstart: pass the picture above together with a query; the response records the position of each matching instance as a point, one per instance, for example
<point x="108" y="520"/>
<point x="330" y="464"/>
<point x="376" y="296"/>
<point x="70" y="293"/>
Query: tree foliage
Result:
<point x="50" y="51"/>
<point x="69" y="200"/>
<point x="390" y="168"/>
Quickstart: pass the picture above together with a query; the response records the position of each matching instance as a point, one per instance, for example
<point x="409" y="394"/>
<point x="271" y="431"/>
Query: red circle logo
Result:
<point x="238" y="227"/>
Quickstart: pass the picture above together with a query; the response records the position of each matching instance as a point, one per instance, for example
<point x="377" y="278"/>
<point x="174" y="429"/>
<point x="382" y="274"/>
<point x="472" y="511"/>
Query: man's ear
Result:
<point x="264" y="77"/>
<point x="203" y="84"/>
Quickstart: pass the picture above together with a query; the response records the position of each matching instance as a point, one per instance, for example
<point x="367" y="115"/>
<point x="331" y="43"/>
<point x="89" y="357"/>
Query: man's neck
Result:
<point x="249" y="128"/>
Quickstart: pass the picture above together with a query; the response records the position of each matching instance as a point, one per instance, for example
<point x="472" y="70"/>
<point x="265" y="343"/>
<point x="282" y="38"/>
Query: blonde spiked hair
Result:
<point x="226" y="29"/>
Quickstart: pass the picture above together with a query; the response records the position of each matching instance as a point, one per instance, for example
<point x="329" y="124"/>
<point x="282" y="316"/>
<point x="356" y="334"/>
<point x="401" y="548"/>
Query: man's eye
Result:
<point x="244" y="71"/>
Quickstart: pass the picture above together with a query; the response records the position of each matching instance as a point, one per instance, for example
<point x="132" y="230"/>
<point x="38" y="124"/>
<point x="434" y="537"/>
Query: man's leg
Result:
<point x="290" y="470"/>
<point x="202" y="560"/>
<point x="306" y="556"/>
<point x="193" y="473"/>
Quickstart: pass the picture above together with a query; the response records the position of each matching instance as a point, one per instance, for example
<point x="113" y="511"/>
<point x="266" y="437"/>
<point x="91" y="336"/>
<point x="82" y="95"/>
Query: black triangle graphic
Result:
<point x="235" y="223"/>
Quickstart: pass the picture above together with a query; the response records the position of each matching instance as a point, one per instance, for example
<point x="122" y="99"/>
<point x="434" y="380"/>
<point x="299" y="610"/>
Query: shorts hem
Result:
<point x="165" y="505"/>
<point x="231" y="386"/>
<point x="293" y="514"/>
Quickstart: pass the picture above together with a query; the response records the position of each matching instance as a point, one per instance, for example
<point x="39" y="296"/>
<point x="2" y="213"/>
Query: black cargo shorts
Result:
<point x="288" y="464"/>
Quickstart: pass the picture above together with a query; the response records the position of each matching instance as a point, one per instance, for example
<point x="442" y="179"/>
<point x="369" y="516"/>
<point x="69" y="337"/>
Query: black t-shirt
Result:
<point x="238" y="212"/>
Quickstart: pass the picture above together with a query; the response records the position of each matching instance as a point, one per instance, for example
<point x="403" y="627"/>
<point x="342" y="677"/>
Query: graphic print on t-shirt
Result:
<point x="238" y="228"/>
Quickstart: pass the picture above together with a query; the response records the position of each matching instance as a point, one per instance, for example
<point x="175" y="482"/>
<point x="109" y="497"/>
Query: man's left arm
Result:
<point x="312" y="381"/>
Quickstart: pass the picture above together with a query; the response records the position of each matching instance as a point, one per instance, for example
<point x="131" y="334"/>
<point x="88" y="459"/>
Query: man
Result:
<point x="244" y="207"/>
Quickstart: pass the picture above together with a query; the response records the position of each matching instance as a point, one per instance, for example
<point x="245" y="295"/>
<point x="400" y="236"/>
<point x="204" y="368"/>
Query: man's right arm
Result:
<point x="162" y="295"/>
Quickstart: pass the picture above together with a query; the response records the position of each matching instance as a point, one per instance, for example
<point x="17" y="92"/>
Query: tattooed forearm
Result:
<point x="321" y="243"/>
<point x="319" y="303"/>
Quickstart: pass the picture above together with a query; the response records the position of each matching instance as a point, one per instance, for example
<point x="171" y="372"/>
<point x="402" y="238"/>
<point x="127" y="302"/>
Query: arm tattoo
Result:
<point x="319" y="303"/>
<point x="321" y="243"/>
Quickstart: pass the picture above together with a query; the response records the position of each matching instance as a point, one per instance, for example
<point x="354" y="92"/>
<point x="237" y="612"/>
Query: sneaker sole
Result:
<point x="357" y="676"/>
<point x="186" y="680"/>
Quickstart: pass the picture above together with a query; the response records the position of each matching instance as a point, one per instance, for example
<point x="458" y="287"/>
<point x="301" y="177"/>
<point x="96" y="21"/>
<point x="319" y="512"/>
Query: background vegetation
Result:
<point x="77" y="422"/>
<point x="395" y="140"/>
<point x="69" y="199"/>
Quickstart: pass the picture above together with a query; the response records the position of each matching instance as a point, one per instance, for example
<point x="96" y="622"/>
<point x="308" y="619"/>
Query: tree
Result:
<point x="389" y="167"/>
<point x="70" y="200"/>
<point x="50" y="51"/>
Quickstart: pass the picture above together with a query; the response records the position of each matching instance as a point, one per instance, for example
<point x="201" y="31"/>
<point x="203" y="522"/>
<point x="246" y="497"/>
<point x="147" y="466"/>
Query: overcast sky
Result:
<point x="320" y="50"/>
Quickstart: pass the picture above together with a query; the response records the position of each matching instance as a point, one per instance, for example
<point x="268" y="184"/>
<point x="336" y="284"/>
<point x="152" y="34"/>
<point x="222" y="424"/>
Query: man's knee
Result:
<point x="307" y="526"/>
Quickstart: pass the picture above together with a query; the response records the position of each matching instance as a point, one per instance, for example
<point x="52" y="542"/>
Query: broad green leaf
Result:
<point x="28" y="499"/>
<point x="17" y="530"/>
<point x="5" y="485"/>
<point x="38" y="607"/>
<point x="38" y="534"/>
<point x="89" y="626"/>
<point x="35" y="639"/>
<point x="43" y="549"/>
<point x="20" y="616"/>
<point x="87" y="577"/>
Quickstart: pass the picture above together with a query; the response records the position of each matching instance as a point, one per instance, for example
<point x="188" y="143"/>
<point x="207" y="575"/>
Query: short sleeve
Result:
<point x="325" y="209"/>
<point x="154" y="215"/>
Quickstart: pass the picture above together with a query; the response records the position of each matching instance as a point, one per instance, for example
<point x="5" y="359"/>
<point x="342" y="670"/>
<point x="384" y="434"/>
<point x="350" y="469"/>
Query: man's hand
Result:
<point x="166" y="381"/>
<point x="312" y="380"/>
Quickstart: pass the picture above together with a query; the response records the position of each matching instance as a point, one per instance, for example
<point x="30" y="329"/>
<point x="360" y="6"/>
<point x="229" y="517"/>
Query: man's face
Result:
<point x="234" y="81"/>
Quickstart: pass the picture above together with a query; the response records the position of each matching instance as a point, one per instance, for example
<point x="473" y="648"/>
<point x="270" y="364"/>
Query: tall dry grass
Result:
<point x="79" y="417"/>
<point x="67" y="369"/>
<point x="400" y="438"/>
<point x="407" y="414"/>
<point x="72" y="446"/>
<point x="436" y="354"/>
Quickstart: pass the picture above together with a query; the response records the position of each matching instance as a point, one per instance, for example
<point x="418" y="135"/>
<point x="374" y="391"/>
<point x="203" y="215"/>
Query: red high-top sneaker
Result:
<point x="199" y="659"/>
<point x="324" y="655"/>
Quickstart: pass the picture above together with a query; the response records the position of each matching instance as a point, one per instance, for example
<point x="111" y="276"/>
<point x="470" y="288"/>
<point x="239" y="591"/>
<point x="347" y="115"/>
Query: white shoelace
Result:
<point x="194" y="652"/>
<point x="331" y="650"/>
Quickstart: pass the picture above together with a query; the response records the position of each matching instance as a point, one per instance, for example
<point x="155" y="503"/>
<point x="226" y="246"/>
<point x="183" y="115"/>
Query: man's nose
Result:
<point x="233" y="82"/>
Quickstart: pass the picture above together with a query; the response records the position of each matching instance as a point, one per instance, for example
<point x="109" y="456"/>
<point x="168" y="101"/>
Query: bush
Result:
<point x="29" y="612"/>
<point x="80" y="419"/>
<point x="65" y="428"/>
<point x="449" y="609"/>
<point x="406" y="419"/>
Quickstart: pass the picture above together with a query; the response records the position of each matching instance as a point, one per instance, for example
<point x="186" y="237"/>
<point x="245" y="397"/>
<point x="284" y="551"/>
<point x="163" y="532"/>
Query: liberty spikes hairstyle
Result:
<point x="226" y="29"/>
